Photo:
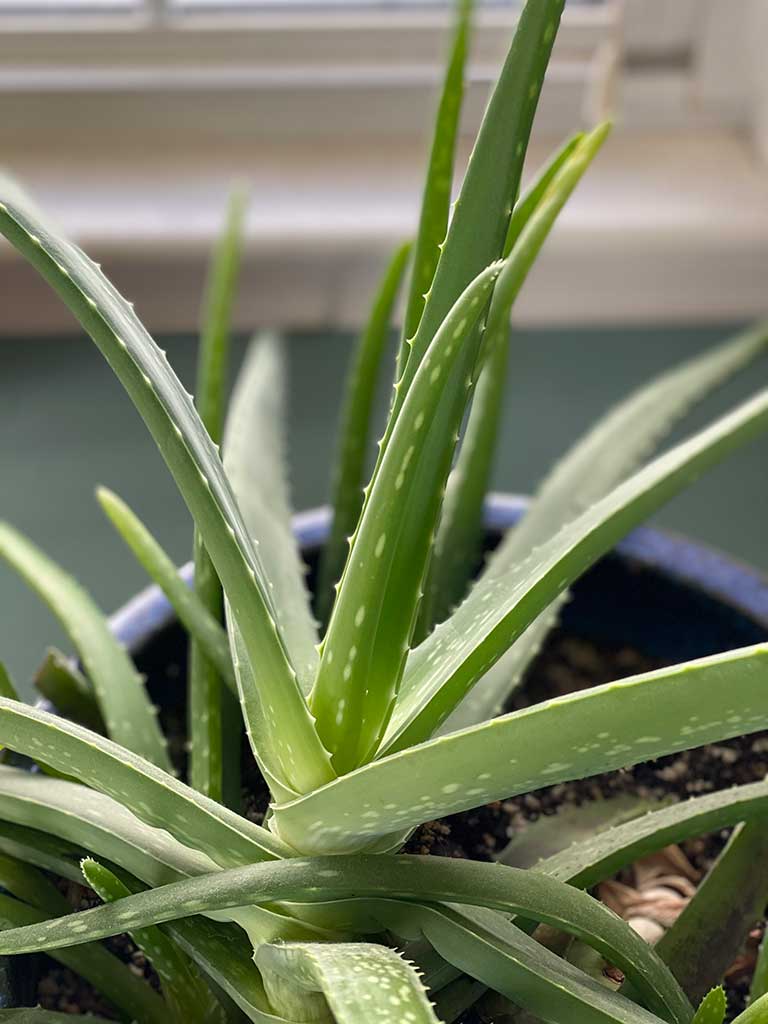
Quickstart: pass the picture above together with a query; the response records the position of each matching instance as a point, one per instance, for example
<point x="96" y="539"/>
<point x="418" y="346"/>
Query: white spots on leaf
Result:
<point x="360" y="616"/>
<point x="380" y="544"/>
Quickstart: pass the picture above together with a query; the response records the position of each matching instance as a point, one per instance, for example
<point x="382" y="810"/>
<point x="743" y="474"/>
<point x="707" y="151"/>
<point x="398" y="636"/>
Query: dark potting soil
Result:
<point x="567" y="663"/>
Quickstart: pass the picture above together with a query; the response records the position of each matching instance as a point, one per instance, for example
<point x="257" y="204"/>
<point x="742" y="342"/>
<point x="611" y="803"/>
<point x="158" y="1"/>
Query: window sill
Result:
<point x="667" y="228"/>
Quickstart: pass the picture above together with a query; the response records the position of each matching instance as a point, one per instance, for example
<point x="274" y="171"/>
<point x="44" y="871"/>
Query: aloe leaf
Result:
<point x="712" y="1008"/>
<point x="673" y="709"/>
<point x="355" y="980"/>
<point x="551" y="833"/>
<point x="707" y="937"/>
<point x="481" y="216"/>
<point x="129" y="716"/>
<point x="255" y="463"/>
<point x="85" y="818"/>
<point x="191" y="611"/>
<point x="7" y="686"/>
<point x="502" y="605"/>
<point x="108" y="831"/>
<point x="213" y="722"/>
<point x="60" y="681"/>
<point x="617" y="443"/>
<point x="364" y="650"/>
<point x="590" y="861"/>
<point x="190" y="455"/>
<point x="93" y="962"/>
<point x="152" y="795"/>
<point x="354" y="432"/>
<point x="759" y="984"/>
<point x="228" y="960"/>
<point x="188" y="997"/>
<point x="755" y="1013"/>
<point x="436" y="197"/>
<point x="457" y="542"/>
<point x="506" y="960"/>
<point x="40" y="850"/>
<point x="509" y="890"/>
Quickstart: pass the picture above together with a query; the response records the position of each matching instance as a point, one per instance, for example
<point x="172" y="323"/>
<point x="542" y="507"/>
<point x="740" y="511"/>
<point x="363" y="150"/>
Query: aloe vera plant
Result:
<point x="386" y="715"/>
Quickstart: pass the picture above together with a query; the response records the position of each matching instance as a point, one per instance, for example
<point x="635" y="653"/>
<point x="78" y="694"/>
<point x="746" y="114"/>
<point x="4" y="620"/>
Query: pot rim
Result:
<point x="685" y="561"/>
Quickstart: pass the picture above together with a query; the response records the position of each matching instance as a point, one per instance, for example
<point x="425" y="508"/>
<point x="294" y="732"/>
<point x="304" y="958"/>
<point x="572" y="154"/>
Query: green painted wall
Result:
<point x="65" y="426"/>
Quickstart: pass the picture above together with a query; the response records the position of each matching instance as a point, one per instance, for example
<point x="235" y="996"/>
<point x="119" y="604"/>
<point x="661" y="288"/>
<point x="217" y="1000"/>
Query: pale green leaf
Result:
<point x="712" y="1008"/>
<point x="759" y="984"/>
<point x="502" y="605"/>
<point x="128" y="713"/>
<point x="189" y="999"/>
<point x="61" y="682"/>
<point x="459" y="534"/>
<point x="358" y="981"/>
<point x="590" y="861"/>
<point x="505" y="889"/>
<point x="706" y="938"/>
<point x="755" y="1013"/>
<point x="615" y="445"/>
<point x="551" y="833"/>
<point x="354" y="432"/>
<point x="190" y="455"/>
<point x="213" y="721"/>
<point x="672" y="709"/>
<point x="481" y="216"/>
<point x="151" y="794"/>
<point x="436" y="196"/>
<point x="191" y="611"/>
<point x="94" y="963"/>
<point x="255" y="463"/>
<point x="364" y="650"/>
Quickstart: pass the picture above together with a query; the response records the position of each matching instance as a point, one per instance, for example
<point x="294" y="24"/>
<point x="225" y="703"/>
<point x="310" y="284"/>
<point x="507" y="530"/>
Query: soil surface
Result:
<point x="567" y="663"/>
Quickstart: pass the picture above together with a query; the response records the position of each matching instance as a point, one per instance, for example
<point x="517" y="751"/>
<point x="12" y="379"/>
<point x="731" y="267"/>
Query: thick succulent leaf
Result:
<point x="189" y="453"/>
<point x="255" y="463"/>
<point x="364" y="650"/>
<point x="93" y="962"/>
<point x="436" y="197"/>
<point x="226" y="956"/>
<point x="759" y="984"/>
<point x="213" y="719"/>
<point x="355" y="431"/>
<point x="128" y="713"/>
<point x="41" y="850"/>
<point x="502" y="605"/>
<point x="81" y="816"/>
<point x="597" y="730"/>
<point x="357" y="980"/>
<point x="188" y="998"/>
<point x="509" y="890"/>
<point x="152" y="795"/>
<point x="192" y="613"/>
<point x="506" y="960"/>
<point x="551" y="833"/>
<point x="7" y="686"/>
<point x="755" y="1013"/>
<point x="712" y="1008"/>
<point x="218" y="306"/>
<point x="61" y="682"/>
<point x="458" y="537"/>
<point x="590" y="861"/>
<point x="480" y="219"/>
<point x="616" y="444"/>
<point x="709" y="934"/>
<point x="108" y="831"/>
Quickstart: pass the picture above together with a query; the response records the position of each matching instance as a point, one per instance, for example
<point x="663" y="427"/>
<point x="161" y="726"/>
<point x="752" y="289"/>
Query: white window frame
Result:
<point x="114" y="114"/>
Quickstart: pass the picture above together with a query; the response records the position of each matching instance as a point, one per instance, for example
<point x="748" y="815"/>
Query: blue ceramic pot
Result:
<point x="663" y="595"/>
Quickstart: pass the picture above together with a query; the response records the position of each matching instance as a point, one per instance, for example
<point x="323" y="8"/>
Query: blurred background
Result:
<point x="129" y="121"/>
